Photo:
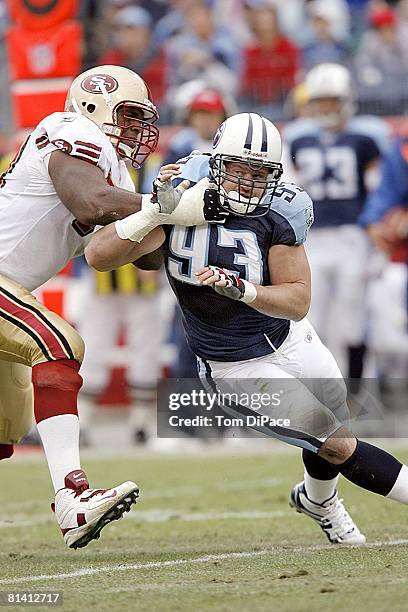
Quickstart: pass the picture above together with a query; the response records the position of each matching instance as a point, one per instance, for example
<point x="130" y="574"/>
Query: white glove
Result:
<point x="156" y="207"/>
<point x="189" y="211"/>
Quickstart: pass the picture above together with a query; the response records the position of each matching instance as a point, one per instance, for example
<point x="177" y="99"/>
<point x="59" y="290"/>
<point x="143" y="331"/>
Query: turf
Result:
<point x="200" y="509"/>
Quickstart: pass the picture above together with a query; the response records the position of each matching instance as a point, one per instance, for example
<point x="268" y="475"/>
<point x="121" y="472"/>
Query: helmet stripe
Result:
<point x="264" y="146"/>
<point x="248" y="139"/>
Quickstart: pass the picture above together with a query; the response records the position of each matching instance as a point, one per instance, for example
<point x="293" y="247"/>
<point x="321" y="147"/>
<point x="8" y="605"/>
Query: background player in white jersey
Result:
<point x="243" y="284"/>
<point x="335" y="158"/>
<point x="69" y="176"/>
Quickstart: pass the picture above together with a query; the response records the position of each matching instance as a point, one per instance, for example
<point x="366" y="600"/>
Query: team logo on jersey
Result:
<point x="63" y="145"/>
<point x="218" y="135"/>
<point x="98" y="82"/>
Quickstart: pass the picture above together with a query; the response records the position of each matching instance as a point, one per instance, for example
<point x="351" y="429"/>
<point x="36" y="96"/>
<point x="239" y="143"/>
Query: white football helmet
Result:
<point x="99" y="93"/>
<point x="254" y="140"/>
<point x="329" y="80"/>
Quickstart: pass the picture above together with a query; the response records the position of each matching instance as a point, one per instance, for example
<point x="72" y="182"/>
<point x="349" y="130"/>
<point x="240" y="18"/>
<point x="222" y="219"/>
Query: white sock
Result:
<point x="319" y="491"/>
<point x="399" y="491"/>
<point x="60" y="438"/>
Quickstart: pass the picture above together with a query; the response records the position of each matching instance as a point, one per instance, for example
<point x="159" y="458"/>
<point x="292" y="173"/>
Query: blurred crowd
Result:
<point x="256" y="50"/>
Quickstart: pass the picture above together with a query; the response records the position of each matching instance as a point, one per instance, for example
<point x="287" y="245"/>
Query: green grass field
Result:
<point x="211" y="532"/>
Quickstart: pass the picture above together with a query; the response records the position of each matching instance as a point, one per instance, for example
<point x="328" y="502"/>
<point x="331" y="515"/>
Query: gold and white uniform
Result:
<point x="38" y="237"/>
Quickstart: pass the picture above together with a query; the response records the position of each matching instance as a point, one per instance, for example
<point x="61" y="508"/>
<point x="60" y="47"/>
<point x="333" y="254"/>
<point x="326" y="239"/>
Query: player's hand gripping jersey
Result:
<point x="39" y="235"/>
<point x="219" y="328"/>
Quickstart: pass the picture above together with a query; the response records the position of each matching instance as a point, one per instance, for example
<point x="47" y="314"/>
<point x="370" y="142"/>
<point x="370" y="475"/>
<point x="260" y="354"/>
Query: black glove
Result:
<point x="213" y="211"/>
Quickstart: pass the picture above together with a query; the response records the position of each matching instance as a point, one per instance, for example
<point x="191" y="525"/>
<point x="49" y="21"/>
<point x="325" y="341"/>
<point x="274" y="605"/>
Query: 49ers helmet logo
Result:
<point x="93" y="84"/>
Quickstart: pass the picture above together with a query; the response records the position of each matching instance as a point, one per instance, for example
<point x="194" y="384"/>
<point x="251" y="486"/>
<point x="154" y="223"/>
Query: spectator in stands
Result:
<point x="384" y="47"/>
<point x="201" y="115"/>
<point x="99" y="22"/>
<point x="133" y="48"/>
<point x="324" y="45"/>
<point x="270" y="62"/>
<point x="403" y="10"/>
<point x="385" y="214"/>
<point x="173" y="22"/>
<point x="358" y="15"/>
<point x="203" y="48"/>
<point x="385" y="217"/>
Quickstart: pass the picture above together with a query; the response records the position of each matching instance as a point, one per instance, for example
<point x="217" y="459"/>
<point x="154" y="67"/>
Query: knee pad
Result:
<point x="56" y="386"/>
<point x="6" y="450"/>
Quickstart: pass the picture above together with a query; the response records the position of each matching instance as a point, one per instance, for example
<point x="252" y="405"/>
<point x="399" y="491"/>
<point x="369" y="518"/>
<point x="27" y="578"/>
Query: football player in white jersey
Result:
<point x="69" y="176"/>
<point x="243" y="284"/>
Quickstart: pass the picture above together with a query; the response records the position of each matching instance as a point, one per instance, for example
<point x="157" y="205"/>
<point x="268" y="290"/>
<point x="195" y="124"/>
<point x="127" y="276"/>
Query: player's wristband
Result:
<point x="135" y="227"/>
<point x="189" y="211"/>
<point x="250" y="292"/>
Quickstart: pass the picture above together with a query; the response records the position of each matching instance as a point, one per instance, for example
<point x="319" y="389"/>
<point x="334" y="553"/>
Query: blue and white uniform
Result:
<point x="232" y="339"/>
<point x="241" y="245"/>
<point x="333" y="169"/>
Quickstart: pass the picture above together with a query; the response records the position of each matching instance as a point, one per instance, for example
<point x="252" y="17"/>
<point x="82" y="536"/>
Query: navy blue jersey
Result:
<point x="331" y="167"/>
<point x="217" y="327"/>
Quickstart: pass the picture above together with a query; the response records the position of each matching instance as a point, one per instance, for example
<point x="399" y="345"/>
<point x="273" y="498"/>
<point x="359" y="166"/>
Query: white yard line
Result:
<point x="87" y="571"/>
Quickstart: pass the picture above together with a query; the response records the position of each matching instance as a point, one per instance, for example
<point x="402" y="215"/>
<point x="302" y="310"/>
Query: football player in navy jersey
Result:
<point x="243" y="283"/>
<point x="335" y="158"/>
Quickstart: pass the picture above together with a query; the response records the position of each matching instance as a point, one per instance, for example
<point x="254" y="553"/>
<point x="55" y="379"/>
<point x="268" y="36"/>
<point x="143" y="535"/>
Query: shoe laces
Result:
<point x="337" y="520"/>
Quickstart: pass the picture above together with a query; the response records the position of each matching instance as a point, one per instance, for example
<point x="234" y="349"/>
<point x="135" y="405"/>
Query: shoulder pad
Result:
<point x="374" y="127"/>
<point x="194" y="167"/>
<point x="72" y="134"/>
<point x="295" y="205"/>
<point x="299" y="129"/>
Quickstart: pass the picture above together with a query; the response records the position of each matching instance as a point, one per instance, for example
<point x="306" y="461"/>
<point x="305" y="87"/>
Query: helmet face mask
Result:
<point x="245" y="195"/>
<point x="330" y="112"/>
<point x="331" y="100"/>
<point x="118" y="101"/>
<point x="245" y="164"/>
<point x="132" y="137"/>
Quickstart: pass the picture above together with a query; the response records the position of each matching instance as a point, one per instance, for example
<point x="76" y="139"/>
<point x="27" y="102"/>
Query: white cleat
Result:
<point x="331" y="516"/>
<point x="83" y="514"/>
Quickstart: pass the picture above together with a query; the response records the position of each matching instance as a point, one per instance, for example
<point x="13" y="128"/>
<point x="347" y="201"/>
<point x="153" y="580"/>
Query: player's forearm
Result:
<point x="109" y="204"/>
<point x="285" y="301"/>
<point x="106" y="251"/>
